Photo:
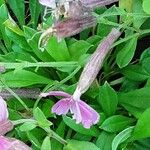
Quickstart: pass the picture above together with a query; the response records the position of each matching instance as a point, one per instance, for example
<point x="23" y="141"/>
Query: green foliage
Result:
<point x="80" y="145"/>
<point x="79" y="128"/>
<point x="120" y="92"/>
<point x="108" y="99"/>
<point x="116" y="123"/>
<point x="141" y="129"/>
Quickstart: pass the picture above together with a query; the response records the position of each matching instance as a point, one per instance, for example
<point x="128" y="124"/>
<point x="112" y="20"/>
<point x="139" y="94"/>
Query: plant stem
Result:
<point x="48" y="130"/>
<point x="55" y="136"/>
<point x="14" y="65"/>
<point x="15" y="95"/>
<point x="58" y="138"/>
<point x="117" y="81"/>
<point x="57" y="84"/>
<point x="141" y="32"/>
<point x="20" y="121"/>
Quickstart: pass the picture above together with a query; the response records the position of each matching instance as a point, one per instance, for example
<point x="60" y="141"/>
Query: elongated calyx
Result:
<point x="95" y="62"/>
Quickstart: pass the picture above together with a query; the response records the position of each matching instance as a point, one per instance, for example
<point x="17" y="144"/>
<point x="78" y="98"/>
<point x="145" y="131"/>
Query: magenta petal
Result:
<point x="3" y="110"/>
<point x="61" y="107"/>
<point x="55" y="93"/>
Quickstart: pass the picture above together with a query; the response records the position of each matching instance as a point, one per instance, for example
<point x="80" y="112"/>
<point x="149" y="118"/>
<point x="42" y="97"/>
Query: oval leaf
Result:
<point x="116" y="123"/>
<point x="80" y="145"/>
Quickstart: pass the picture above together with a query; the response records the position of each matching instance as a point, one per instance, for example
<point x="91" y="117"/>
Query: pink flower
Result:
<point x="3" y="110"/>
<point x="12" y="144"/>
<point x="5" y="124"/>
<point x="82" y="112"/>
<point x="48" y="3"/>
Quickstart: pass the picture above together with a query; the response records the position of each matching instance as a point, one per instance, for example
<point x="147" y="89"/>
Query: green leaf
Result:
<point x="116" y="123"/>
<point x="137" y="9"/>
<point x="138" y="98"/>
<point x="108" y="99"/>
<point x="58" y="50"/>
<point x="78" y="49"/>
<point x="126" y="54"/>
<point x="79" y="128"/>
<point x="142" y="129"/>
<point x="146" y="4"/>
<point x="135" y="73"/>
<point x="46" y="145"/>
<point x="3" y="18"/>
<point x="121" y="137"/>
<point x="23" y="78"/>
<point x="41" y="119"/>
<point x="104" y="140"/>
<point x="13" y="27"/>
<point x="35" y="11"/>
<point x="32" y="38"/>
<point x="103" y="28"/>
<point x="19" y="10"/>
<point x="80" y="145"/>
<point x="61" y="132"/>
<point x="17" y="39"/>
<point x="27" y="126"/>
<point x="145" y="59"/>
<point x="2" y="2"/>
<point x="34" y="140"/>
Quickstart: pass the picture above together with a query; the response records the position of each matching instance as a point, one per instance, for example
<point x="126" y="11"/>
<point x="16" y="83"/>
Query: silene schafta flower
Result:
<point x="82" y="112"/>
<point x="6" y="125"/>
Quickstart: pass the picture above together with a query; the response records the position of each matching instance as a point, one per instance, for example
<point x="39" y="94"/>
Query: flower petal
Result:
<point x="55" y="93"/>
<point x="89" y="111"/>
<point x="76" y="111"/>
<point x="61" y="107"/>
<point x="3" y="110"/>
<point x="5" y="126"/>
<point x="48" y="3"/>
<point x="12" y="144"/>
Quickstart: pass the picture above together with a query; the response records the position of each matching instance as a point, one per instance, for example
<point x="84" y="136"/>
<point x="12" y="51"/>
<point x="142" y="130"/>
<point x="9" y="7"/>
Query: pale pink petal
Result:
<point x="5" y="126"/>
<point x="48" y="3"/>
<point x="3" y="110"/>
<point x="4" y="143"/>
<point x="55" y="93"/>
<point x="94" y="116"/>
<point x="61" y="107"/>
<point x="12" y="144"/>
<point x="76" y="111"/>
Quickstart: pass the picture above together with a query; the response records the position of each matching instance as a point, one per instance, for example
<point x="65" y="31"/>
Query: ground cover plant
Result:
<point x="74" y="75"/>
